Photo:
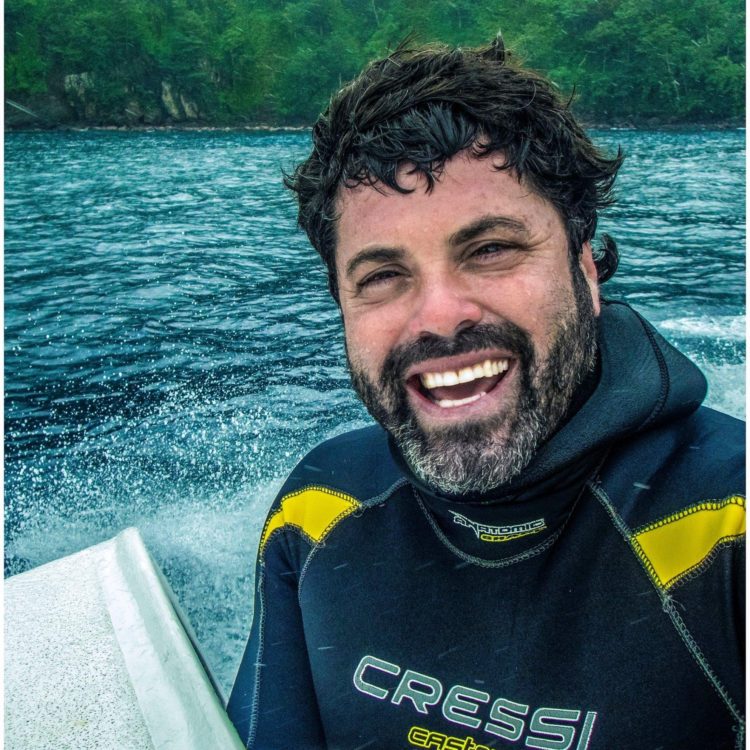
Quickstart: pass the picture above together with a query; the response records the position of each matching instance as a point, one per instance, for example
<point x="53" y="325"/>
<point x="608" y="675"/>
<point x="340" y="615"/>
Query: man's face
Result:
<point x="467" y="325"/>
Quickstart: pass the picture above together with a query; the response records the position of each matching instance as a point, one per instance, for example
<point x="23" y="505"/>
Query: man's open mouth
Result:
<point x="451" y="388"/>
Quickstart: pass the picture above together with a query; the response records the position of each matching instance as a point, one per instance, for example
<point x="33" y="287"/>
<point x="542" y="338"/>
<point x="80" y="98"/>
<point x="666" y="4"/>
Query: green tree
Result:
<point x="278" y="61"/>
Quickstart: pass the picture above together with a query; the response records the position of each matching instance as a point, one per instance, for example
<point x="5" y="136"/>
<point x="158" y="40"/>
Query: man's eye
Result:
<point x="377" y="278"/>
<point x="490" y="249"/>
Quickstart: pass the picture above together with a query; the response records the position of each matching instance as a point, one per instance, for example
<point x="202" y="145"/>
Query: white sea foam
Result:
<point x="726" y="387"/>
<point x="732" y="327"/>
<point x="716" y="343"/>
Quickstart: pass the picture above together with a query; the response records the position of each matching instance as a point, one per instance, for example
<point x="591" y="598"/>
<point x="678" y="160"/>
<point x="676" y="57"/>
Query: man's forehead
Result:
<point x="409" y="176"/>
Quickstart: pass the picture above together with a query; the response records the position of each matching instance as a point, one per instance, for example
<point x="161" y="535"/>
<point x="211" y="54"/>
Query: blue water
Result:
<point x="171" y="350"/>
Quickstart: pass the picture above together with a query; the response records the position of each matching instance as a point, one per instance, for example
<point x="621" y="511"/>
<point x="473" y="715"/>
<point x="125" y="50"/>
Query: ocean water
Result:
<point x="171" y="350"/>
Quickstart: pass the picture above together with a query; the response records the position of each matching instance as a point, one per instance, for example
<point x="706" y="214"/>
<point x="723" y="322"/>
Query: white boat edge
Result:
<point x="88" y="622"/>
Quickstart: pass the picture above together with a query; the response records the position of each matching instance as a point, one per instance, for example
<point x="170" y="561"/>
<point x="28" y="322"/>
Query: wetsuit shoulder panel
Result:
<point x="677" y="545"/>
<point x="313" y="511"/>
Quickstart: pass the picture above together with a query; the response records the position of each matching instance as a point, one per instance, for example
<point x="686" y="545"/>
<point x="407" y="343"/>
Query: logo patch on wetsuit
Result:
<point x="544" y="728"/>
<point x="487" y="533"/>
<point x="420" y="737"/>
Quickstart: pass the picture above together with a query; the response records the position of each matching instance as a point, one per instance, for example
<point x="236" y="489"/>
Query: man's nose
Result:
<point x="444" y="306"/>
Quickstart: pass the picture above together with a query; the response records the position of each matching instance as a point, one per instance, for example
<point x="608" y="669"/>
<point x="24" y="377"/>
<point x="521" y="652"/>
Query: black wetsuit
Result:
<point x="596" y="602"/>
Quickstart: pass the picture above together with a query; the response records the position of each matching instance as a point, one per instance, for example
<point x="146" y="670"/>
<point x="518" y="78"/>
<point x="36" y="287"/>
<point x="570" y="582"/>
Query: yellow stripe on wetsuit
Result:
<point x="679" y="543"/>
<point x="313" y="510"/>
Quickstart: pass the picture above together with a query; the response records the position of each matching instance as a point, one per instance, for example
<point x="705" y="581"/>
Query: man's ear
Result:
<point x="590" y="274"/>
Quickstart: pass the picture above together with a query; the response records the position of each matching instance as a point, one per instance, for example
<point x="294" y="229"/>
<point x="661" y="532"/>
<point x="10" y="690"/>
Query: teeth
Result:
<point x="486" y="369"/>
<point x="450" y="378"/>
<point x="466" y="375"/>
<point x="448" y="403"/>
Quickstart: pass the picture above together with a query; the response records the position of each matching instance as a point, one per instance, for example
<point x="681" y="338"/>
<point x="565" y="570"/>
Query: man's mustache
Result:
<point x="507" y="336"/>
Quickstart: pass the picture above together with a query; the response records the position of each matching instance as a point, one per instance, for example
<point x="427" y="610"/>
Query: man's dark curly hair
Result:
<point x="422" y="106"/>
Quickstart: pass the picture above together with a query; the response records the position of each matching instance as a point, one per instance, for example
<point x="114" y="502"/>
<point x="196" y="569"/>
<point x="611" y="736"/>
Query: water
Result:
<point x="171" y="350"/>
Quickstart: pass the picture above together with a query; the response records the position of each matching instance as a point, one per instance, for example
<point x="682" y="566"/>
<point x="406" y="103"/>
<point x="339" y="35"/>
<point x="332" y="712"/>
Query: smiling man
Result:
<point x="541" y="543"/>
<point x="468" y="322"/>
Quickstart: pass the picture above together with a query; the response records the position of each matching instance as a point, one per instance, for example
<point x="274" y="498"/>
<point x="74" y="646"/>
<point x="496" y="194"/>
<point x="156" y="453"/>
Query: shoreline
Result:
<point x="267" y="128"/>
<point x="80" y="127"/>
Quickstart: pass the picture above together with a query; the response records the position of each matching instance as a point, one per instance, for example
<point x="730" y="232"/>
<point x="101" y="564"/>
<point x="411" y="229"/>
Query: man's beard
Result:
<point x="481" y="455"/>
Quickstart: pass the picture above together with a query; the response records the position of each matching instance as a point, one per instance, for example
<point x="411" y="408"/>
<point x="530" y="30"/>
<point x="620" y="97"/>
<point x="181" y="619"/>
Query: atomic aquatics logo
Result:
<point x="487" y="533"/>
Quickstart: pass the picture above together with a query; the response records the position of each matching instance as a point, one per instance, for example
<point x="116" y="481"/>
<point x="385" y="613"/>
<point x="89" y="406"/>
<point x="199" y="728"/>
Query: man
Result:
<point x="544" y="546"/>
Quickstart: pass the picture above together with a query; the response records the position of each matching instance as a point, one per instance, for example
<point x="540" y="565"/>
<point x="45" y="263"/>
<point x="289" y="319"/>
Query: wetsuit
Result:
<point x="594" y="602"/>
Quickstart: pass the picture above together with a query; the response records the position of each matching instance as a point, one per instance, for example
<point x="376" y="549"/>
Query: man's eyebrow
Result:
<point x="484" y="224"/>
<point x="373" y="255"/>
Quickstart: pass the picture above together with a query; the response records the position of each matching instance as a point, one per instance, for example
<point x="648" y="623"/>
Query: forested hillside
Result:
<point x="234" y="62"/>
